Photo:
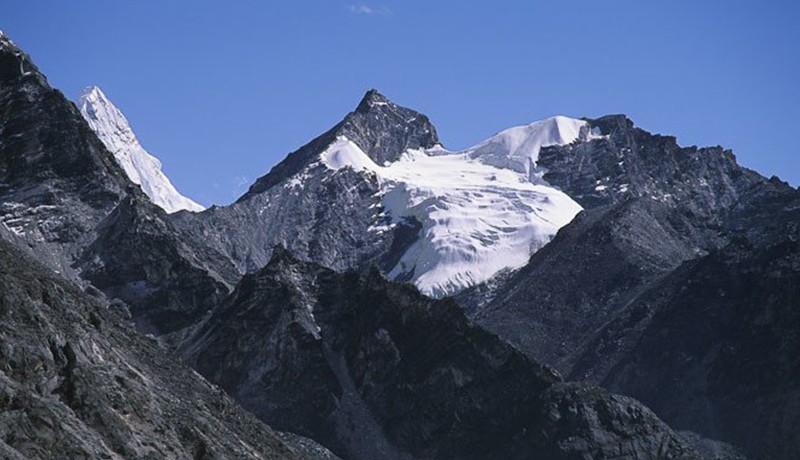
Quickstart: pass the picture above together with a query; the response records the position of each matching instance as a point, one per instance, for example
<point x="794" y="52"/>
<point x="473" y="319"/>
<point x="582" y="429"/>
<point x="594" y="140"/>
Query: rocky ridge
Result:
<point x="373" y="369"/>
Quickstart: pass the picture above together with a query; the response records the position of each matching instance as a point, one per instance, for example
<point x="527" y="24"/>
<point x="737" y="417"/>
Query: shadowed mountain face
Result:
<point x="594" y="267"/>
<point x="76" y="382"/>
<point x="635" y="293"/>
<point x="56" y="178"/>
<point x="723" y="330"/>
<point x="375" y="370"/>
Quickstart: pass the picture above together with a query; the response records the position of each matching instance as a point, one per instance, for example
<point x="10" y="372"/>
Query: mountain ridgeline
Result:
<point x="384" y="297"/>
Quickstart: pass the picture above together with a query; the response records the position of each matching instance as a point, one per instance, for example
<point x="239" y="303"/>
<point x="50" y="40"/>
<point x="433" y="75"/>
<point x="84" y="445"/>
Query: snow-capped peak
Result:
<point x="518" y="148"/>
<point x="113" y="129"/>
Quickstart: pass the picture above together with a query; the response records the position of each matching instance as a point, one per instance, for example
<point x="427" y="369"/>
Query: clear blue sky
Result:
<point x="222" y="90"/>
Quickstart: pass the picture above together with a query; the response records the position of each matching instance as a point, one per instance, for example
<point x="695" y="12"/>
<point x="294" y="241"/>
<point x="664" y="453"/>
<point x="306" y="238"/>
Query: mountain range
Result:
<point x="569" y="288"/>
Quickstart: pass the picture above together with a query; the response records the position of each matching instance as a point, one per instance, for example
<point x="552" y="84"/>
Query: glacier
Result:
<point x="482" y="210"/>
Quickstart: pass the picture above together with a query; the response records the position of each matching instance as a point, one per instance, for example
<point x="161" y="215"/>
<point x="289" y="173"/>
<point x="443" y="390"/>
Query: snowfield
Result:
<point x="518" y="148"/>
<point x="481" y="213"/>
<point x="143" y="169"/>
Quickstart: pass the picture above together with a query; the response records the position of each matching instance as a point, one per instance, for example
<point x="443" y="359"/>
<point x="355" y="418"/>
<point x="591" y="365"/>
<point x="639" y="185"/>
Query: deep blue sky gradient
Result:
<point x="222" y="90"/>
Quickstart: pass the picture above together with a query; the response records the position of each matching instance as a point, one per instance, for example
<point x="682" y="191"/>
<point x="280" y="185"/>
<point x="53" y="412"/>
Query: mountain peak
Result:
<point x="518" y="147"/>
<point x="15" y="64"/>
<point x="384" y="130"/>
<point x="143" y="169"/>
<point x="371" y="99"/>
<point x="91" y="94"/>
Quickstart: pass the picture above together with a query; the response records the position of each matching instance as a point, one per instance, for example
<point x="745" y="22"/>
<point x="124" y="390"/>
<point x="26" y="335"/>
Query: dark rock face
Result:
<point x="663" y="225"/>
<point x="76" y="382"/>
<point x="375" y="370"/>
<point x="720" y="354"/>
<point x="139" y="258"/>
<point x="56" y="178"/>
<point x="326" y="219"/>
<point x="384" y="130"/>
<point x="630" y="162"/>
<point x="587" y="275"/>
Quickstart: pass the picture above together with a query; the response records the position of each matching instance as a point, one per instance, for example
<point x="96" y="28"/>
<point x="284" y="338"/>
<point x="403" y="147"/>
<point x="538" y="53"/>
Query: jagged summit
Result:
<point x="613" y="122"/>
<point x="371" y="99"/>
<point x="111" y="126"/>
<point x="384" y="130"/>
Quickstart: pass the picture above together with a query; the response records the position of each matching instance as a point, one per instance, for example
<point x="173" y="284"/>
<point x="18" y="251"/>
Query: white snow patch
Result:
<point x="518" y="148"/>
<point x="19" y="231"/>
<point x="143" y="169"/>
<point x="345" y="153"/>
<point x="477" y="219"/>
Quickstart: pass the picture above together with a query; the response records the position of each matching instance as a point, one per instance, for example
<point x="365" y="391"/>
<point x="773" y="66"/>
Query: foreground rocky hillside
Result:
<point x="77" y="382"/>
<point x="373" y="369"/>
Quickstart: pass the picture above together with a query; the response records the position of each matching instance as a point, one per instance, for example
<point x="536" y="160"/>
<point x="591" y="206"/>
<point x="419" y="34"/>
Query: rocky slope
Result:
<point x="375" y="370"/>
<point x="716" y="348"/>
<point x="56" y="178"/>
<point x="76" y="382"/>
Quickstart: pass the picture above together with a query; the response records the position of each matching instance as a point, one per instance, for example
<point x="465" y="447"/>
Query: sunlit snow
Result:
<point x="477" y="219"/>
<point x="143" y="169"/>
<point x="518" y="148"/>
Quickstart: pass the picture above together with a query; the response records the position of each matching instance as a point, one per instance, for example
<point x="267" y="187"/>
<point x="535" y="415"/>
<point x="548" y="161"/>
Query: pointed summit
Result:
<point x="371" y="99"/>
<point x="113" y="129"/>
<point x="91" y="93"/>
<point x="378" y="126"/>
<point x="384" y="130"/>
<point x="15" y="64"/>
